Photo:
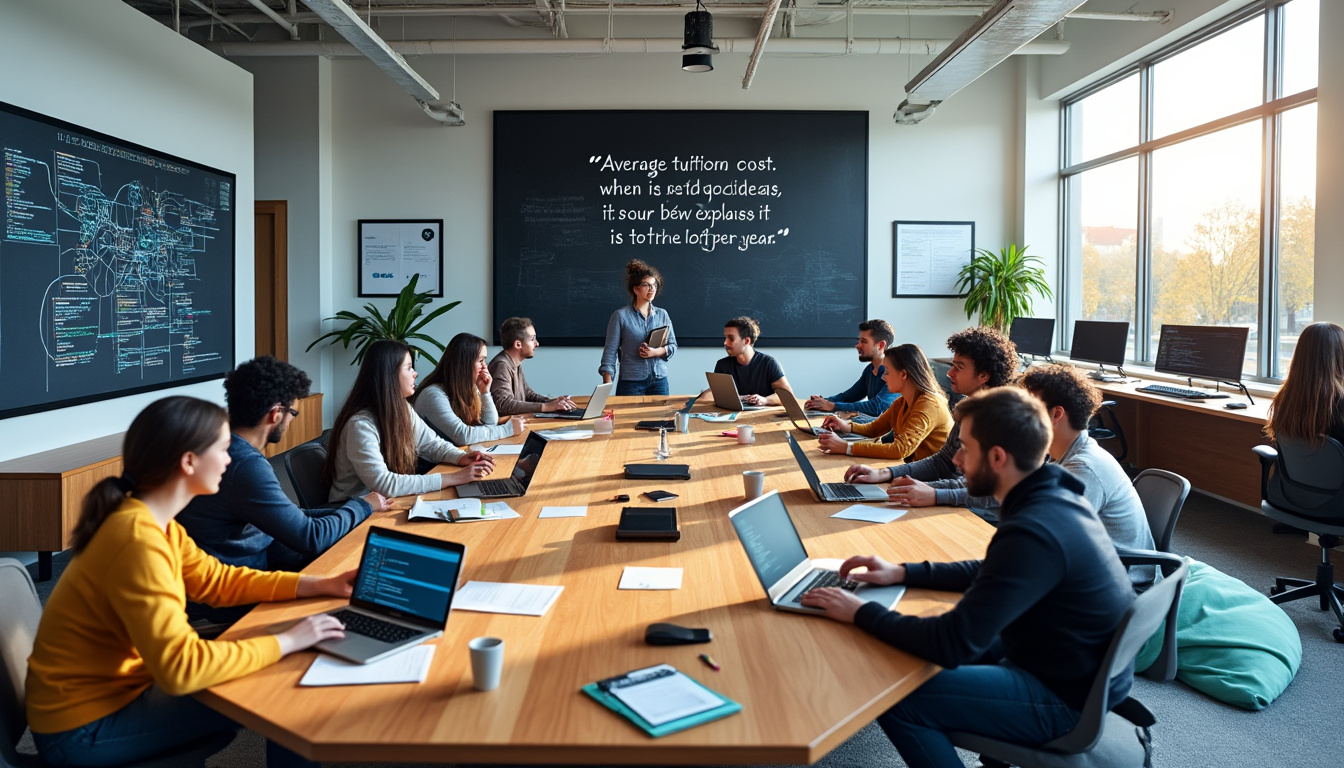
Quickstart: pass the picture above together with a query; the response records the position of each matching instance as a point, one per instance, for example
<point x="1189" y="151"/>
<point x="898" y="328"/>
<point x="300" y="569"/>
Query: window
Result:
<point x="1189" y="180"/>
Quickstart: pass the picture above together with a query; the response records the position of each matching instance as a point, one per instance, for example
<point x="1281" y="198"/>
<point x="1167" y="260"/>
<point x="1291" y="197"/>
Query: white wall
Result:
<point x="110" y="68"/>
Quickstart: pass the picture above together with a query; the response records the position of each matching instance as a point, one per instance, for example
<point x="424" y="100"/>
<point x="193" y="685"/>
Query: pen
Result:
<point x="710" y="662"/>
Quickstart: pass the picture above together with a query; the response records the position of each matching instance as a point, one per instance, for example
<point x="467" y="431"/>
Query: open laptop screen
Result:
<point x="413" y="578"/>
<point x="526" y="465"/>
<point x="768" y="536"/>
<point x="809" y="471"/>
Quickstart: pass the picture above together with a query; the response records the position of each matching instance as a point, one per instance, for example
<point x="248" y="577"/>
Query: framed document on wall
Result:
<point x="392" y="250"/>
<point x="927" y="256"/>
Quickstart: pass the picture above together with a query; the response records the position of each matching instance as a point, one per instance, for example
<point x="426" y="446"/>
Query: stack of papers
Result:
<point x="411" y="666"/>
<point x="460" y="510"/>
<point x="518" y="599"/>
<point x="870" y="514"/>
<point x="562" y="512"/>
<point x="638" y="577"/>
<point x="566" y="434"/>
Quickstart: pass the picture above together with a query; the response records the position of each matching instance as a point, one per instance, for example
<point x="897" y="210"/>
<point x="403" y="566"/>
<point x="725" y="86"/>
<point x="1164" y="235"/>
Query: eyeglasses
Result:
<point x="650" y="286"/>
<point x="294" y="412"/>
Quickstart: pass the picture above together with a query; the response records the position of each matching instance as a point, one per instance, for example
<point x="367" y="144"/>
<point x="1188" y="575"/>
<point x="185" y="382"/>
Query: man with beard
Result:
<point x="251" y="522"/>
<point x="869" y="395"/>
<point x="1021" y="648"/>
<point x="508" y="388"/>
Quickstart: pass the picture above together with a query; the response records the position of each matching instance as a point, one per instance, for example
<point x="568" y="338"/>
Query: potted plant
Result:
<point x="402" y="323"/>
<point x="999" y="285"/>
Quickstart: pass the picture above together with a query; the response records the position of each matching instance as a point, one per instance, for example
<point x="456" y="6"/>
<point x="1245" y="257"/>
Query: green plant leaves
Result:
<point x="403" y="322"/>
<point x="999" y="285"/>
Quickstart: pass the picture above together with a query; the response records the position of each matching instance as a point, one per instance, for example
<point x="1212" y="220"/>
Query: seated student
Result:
<point x="1071" y="400"/>
<point x="114" y="662"/>
<point x="250" y="521"/>
<point x="869" y="395"/>
<point x="982" y="358"/>
<point x="377" y="435"/>
<point x="919" y="419"/>
<point x="454" y="399"/>
<point x="642" y="369"/>
<point x="1310" y="404"/>
<point x="1020" y="650"/>
<point x="508" y="387"/>
<point x="755" y="373"/>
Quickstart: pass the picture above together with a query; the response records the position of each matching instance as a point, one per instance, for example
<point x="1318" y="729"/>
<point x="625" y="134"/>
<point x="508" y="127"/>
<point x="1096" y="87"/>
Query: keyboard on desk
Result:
<point x="375" y="628"/>
<point x="497" y="487"/>
<point x="1181" y="392"/>
<point x="828" y="579"/>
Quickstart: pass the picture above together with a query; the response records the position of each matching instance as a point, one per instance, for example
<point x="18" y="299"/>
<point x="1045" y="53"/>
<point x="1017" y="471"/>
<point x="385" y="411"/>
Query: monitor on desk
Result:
<point x="1098" y="341"/>
<point x="1211" y="352"/>
<point x="1033" y="335"/>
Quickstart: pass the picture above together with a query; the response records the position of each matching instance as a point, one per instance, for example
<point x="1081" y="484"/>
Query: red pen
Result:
<point x="709" y="662"/>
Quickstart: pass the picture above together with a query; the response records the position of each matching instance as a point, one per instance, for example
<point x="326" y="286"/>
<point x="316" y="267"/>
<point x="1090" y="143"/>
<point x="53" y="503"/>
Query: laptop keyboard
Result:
<point x="843" y="491"/>
<point x="495" y="487"/>
<point x="1181" y="392"/>
<point x="828" y="579"/>
<point x="571" y="412"/>
<point x="375" y="628"/>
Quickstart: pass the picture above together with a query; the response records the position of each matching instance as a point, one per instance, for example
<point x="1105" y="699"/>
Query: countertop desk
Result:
<point x="806" y="683"/>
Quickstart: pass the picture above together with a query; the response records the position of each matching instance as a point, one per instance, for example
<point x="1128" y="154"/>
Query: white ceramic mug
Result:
<point x="753" y="483"/>
<point x="487" y="662"/>
<point x="746" y="435"/>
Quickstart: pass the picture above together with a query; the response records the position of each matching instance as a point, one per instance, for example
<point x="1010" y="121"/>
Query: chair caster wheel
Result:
<point x="1339" y="635"/>
<point x="1275" y="590"/>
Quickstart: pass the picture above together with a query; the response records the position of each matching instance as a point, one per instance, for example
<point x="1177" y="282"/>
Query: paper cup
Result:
<point x="753" y="483"/>
<point x="487" y="662"/>
<point x="746" y="435"/>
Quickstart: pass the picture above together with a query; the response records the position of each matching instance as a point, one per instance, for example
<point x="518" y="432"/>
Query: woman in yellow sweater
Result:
<point x="919" y="418"/>
<point x="114" y="658"/>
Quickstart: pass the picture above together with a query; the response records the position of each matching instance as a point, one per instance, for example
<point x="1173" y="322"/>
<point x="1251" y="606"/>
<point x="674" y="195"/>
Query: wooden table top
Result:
<point x="806" y="683"/>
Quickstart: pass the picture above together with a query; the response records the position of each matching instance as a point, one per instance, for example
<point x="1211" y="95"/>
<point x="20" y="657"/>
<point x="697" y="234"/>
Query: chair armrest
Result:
<point x="1268" y="458"/>
<point x="1164" y="560"/>
<point x="1107" y="404"/>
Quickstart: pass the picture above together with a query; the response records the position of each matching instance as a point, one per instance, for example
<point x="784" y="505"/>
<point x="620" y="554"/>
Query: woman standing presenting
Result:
<point x="642" y="368"/>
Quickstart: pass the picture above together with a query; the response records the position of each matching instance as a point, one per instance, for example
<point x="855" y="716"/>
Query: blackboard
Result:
<point x="776" y="228"/>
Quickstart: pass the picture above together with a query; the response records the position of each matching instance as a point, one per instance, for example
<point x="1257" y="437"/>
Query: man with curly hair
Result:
<point x="982" y="358"/>
<point x="250" y="521"/>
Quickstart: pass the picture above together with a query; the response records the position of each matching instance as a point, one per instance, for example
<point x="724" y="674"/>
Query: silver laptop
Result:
<point x="776" y="552"/>
<point x="593" y="410"/>
<point x="514" y="485"/>
<point x="801" y="420"/>
<point x="402" y="595"/>
<point x="725" y="393"/>
<point x="850" y="492"/>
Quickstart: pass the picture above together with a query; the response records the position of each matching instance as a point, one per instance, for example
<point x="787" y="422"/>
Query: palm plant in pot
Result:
<point x="999" y="285"/>
<point x="403" y="322"/>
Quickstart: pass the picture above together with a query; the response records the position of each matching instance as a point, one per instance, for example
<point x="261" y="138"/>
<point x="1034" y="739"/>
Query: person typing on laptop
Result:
<point x="918" y="419"/>
<point x="756" y="374"/>
<point x="508" y="387"/>
<point x="1021" y="648"/>
<point x="869" y="395"/>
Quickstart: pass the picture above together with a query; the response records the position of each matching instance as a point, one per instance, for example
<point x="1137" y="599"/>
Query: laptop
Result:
<point x="776" y="553"/>
<point x="514" y="485"/>
<point x="802" y="421"/>
<point x="725" y="393"/>
<point x="850" y="492"/>
<point x="594" y="409"/>
<point x="402" y="595"/>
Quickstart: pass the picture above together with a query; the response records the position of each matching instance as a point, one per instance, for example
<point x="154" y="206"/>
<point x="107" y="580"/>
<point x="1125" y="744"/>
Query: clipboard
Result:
<point x="600" y="693"/>
<point x="658" y="336"/>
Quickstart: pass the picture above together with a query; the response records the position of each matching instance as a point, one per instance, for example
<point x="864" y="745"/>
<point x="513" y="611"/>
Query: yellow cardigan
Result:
<point x="116" y="623"/>
<point x="921" y="426"/>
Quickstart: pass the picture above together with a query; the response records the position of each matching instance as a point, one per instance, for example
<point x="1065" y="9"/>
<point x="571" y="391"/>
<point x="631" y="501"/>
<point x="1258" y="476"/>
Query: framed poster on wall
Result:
<point x="392" y="250"/>
<point x="927" y="257"/>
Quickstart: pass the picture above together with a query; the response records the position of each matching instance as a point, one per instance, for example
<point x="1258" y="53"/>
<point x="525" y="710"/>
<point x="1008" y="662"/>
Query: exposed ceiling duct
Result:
<point x="995" y="36"/>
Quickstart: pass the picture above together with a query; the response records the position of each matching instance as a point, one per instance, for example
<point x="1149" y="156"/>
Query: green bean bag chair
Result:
<point x="1232" y="643"/>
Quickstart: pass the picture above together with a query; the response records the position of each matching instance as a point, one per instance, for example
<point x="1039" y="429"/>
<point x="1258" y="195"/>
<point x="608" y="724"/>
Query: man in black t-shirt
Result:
<point x="755" y="373"/>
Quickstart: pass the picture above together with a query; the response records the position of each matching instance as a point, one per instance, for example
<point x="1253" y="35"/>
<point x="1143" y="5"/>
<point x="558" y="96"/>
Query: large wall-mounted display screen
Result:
<point x="116" y="267"/>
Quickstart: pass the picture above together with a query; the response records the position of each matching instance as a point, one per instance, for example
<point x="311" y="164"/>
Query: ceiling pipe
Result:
<point x="215" y="17"/>
<point x="762" y="35"/>
<point x="292" y="29"/>
<point x="349" y="26"/>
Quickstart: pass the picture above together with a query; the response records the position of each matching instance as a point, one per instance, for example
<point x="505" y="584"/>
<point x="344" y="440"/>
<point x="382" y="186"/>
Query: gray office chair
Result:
<point x="303" y="464"/>
<point x="1108" y="734"/>
<point x="22" y="611"/>
<point x="1163" y="495"/>
<point x="1303" y="486"/>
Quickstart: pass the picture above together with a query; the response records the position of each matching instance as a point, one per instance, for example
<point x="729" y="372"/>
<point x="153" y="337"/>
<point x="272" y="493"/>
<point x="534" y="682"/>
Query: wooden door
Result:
<point x="272" y="281"/>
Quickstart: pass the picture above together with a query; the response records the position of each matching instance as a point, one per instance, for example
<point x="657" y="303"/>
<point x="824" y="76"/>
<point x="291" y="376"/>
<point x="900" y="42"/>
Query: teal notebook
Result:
<point x="601" y="692"/>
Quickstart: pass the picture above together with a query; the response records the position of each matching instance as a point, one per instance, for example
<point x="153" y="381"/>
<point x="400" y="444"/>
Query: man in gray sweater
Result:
<point x="508" y="388"/>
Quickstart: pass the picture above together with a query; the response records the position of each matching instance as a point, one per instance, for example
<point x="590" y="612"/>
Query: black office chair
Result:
<point x="303" y="464"/>
<point x="1097" y="428"/>
<point x="940" y="370"/>
<point x="1163" y="495"/>
<point x="1302" y="485"/>
<point x="1108" y="733"/>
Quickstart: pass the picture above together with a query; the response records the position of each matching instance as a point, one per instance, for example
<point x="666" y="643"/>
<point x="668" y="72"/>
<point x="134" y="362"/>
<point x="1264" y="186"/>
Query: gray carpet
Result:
<point x="1193" y="731"/>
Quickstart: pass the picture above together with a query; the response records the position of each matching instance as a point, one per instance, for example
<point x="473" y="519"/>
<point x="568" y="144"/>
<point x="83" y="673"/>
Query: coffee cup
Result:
<point x="487" y="662"/>
<point x="753" y="483"/>
<point x="746" y="435"/>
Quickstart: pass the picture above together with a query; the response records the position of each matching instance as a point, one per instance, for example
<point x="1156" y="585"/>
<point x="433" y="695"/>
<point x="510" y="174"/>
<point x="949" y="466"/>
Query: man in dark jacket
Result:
<point x="1051" y="591"/>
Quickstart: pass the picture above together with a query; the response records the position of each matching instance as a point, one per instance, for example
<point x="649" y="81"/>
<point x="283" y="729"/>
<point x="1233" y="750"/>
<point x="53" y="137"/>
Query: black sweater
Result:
<point x="1050" y="587"/>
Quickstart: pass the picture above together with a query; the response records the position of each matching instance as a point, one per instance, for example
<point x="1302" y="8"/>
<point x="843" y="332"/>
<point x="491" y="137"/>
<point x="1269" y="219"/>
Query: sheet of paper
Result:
<point x="495" y="597"/>
<point x="439" y="510"/>
<point x="505" y="449"/>
<point x="640" y="577"/>
<point x="501" y="510"/>
<point x="410" y="666"/>
<point x="563" y="512"/>
<point x="870" y="514"/>
<point x="566" y="434"/>
<point x="668" y="698"/>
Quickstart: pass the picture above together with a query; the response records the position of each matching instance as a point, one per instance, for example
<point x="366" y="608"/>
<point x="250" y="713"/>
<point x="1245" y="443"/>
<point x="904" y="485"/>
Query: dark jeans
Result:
<point x="650" y="386"/>
<point x="153" y="723"/>
<point x="996" y="700"/>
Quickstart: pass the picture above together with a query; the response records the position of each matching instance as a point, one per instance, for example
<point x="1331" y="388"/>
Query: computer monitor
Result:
<point x="1100" y="341"/>
<point x="1214" y="352"/>
<point x="1033" y="335"/>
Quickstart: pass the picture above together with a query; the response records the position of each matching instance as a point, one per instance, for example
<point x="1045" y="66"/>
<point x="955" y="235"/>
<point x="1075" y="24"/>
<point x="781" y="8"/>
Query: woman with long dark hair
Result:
<point x="1310" y="404"/>
<point x="918" y="419"/>
<point x="115" y="660"/>
<point x="642" y="368"/>
<point x="454" y="399"/>
<point x="378" y="436"/>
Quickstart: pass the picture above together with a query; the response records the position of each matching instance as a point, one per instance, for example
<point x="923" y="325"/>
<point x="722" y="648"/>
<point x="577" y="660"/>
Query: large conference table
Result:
<point x="806" y="683"/>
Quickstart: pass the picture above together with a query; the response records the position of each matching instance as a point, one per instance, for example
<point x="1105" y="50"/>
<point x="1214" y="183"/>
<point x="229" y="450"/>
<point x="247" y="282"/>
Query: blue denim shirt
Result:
<point x="869" y="395"/>
<point x="626" y="330"/>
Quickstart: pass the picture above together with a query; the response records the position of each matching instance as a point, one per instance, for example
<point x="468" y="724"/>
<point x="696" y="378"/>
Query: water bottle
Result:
<point x="663" y="451"/>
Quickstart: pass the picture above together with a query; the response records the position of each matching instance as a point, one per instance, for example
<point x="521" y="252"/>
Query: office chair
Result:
<point x="22" y="611"/>
<point x="1108" y="733"/>
<point x="1163" y="495"/>
<point x="1306" y="490"/>
<point x="940" y="370"/>
<point x="1096" y="427"/>
<point x="303" y="464"/>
